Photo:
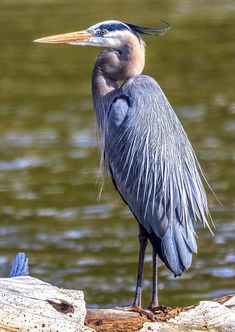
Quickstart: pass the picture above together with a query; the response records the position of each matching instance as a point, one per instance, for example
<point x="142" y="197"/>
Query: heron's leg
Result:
<point x="143" y="240"/>
<point x="154" y="301"/>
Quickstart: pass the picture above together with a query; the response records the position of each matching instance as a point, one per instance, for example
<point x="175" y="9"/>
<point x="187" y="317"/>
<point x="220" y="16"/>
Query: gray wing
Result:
<point x="154" y="168"/>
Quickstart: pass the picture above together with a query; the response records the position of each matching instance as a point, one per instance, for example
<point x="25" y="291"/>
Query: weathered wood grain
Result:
<point x="29" y="304"/>
<point x="206" y="316"/>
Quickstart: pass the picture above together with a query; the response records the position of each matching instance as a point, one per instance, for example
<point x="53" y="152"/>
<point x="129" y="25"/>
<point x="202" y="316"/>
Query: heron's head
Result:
<point x="109" y="34"/>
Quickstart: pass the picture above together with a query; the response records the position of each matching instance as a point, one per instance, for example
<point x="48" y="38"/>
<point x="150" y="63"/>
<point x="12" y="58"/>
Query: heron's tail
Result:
<point x="176" y="247"/>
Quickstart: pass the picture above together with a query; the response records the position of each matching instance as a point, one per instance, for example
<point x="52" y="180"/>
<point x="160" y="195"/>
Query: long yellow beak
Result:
<point x="71" y="37"/>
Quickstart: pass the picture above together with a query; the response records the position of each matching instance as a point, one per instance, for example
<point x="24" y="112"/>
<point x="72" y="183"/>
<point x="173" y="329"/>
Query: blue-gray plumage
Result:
<point x="144" y="147"/>
<point x="20" y="266"/>
<point x="138" y="143"/>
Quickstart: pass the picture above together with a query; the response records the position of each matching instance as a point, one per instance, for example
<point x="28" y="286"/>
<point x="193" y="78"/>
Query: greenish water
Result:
<point x="49" y="155"/>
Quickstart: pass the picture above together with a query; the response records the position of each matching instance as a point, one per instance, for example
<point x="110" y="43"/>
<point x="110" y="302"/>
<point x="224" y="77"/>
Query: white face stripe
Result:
<point x="117" y="35"/>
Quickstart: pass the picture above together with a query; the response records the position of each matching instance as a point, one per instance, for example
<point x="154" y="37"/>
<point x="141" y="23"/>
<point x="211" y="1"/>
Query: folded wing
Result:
<point x="155" y="169"/>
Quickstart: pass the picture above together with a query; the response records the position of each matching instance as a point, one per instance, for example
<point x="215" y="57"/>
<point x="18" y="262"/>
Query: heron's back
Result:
<point x="154" y="168"/>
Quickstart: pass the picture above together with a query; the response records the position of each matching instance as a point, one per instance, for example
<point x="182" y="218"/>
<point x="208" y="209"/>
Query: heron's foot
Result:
<point x="148" y="314"/>
<point x="158" y="309"/>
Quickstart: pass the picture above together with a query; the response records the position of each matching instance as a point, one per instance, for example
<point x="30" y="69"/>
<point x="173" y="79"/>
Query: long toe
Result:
<point x="147" y="313"/>
<point x="158" y="309"/>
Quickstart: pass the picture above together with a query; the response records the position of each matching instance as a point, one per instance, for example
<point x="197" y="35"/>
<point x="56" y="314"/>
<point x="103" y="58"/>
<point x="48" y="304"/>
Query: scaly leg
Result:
<point x="154" y="301"/>
<point x="154" y="306"/>
<point x="136" y="306"/>
<point x="143" y="244"/>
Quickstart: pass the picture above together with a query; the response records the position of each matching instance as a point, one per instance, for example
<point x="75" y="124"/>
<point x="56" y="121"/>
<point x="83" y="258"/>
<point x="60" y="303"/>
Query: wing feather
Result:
<point x="155" y="169"/>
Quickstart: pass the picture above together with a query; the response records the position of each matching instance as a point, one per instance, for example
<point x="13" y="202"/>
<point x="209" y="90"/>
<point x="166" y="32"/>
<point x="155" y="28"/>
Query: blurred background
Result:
<point x="49" y="156"/>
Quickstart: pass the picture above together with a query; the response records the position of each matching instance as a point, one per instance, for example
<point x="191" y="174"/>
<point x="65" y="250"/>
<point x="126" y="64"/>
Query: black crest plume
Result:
<point x="150" y="31"/>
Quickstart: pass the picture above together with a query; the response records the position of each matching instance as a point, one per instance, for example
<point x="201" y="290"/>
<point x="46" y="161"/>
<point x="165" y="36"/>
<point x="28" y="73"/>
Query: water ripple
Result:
<point x="20" y="163"/>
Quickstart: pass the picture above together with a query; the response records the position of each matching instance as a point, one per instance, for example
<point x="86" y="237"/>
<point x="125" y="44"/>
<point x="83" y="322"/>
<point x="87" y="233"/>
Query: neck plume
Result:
<point x="113" y="66"/>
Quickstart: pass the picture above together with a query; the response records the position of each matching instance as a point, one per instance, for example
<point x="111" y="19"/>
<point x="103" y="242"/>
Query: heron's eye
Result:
<point x="103" y="32"/>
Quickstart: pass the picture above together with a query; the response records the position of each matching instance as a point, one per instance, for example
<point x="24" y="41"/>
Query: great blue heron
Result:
<point x="144" y="147"/>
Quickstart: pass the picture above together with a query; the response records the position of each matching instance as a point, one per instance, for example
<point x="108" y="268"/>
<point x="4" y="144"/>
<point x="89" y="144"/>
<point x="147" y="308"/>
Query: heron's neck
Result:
<point x="103" y="90"/>
<point x="111" y="67"/>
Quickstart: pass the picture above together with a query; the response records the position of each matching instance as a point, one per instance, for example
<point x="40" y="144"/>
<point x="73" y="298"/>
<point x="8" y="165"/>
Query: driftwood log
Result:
<point x="29" y="304"/>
